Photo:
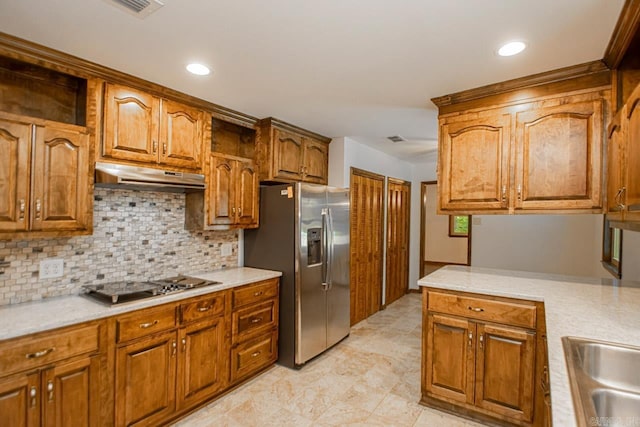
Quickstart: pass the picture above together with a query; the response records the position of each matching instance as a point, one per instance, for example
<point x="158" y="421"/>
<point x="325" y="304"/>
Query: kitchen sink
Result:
<point x="605" y="381"/>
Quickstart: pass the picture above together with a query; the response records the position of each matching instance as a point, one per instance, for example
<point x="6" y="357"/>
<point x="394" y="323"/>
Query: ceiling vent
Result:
<point x="396" y="138"/>
<point x="138" y="8"/>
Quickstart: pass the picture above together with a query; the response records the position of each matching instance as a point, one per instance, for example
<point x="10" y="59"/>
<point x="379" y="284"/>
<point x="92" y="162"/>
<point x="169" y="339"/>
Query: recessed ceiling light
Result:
<point x="198" y="69"/>
<point x="511" y="48"/>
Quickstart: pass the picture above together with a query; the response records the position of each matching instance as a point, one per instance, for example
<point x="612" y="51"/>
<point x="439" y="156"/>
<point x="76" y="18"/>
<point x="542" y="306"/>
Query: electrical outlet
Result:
<point x="226" y="249"/>
<point x="50" y="268"/>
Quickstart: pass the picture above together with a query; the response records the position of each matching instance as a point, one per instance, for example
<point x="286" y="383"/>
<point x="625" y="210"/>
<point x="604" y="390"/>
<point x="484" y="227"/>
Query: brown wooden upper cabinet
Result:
<point x="231" y="199"/>
<point x="286" y="153"/>
<point x="46" y="173"/>
<point x="529" y="157"/>
<point x="623" y="189"/>
<point x="142" y="128"/>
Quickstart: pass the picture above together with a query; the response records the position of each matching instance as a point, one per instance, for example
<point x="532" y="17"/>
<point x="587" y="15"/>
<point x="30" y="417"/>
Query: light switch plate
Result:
<point x="477" y="221"/>
<point x="51" y="268"/>
<point x="226" y="249"/>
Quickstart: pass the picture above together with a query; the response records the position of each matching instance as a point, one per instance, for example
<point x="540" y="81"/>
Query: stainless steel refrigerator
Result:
<point x="304" y="232"/>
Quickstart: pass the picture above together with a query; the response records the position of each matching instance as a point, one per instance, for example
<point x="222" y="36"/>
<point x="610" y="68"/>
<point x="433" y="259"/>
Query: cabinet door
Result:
<point x="15" y="147"/>
<point x="450" y="356"/>
<point x="181" y="135"/>
<point x="559" y="152"/>
<point x="221" y="191"/>
<point x="614" y="171"/>
<point x="505" y="366"/>
<point x="474" y="164"/>
<point x="632" y="158"/>
<point x="202" y="365"/>
<point x="315" y="161"/>
<point x="247" y="194"/>
<point x="145" y="380"/>
<point x="71" y="394"/>
<point x="60" y="194"/>
<point x="20" y="399"/>
<point x="288" y="154"/>
<point x="130" y="124"/>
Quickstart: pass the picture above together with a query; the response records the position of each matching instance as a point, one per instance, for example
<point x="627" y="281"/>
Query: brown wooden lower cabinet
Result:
<point x="59" y="384"/>
<point x="479" y="365"/>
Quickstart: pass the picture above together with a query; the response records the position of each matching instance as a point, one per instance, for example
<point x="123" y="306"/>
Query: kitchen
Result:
<point x="141" y="235"/>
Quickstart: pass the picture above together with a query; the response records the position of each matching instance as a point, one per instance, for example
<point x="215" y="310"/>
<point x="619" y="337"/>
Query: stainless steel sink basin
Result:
<point x="605" y="381"/>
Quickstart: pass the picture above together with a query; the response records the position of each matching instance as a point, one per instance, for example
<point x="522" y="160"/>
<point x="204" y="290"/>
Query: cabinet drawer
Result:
<point x="511" y="313"/>
<point x="145" y="322"/>
<point x="203" y="308"/>
<point x="253" y="355"/>
<point x="252" y="319"/>
<point x="31" y="352"/>
<point x="255" y="293"/>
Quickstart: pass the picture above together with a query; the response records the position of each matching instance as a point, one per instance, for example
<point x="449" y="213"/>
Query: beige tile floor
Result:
<point x="372" y="378"/>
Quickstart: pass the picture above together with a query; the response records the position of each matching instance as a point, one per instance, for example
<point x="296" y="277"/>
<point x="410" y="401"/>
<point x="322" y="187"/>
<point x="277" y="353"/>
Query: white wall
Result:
<point x="560" y="244"/>
<point x="631" y="255"/>
<point x="439" y="246"/>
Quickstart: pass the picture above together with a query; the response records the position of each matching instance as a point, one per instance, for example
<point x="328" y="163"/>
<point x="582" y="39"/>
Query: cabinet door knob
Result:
<point x="22" y="208"/>
<point x="256" y="320"/>
<point x="33" y="393"/>
<point x="256" y="354"/>
<point x="50" y="390"/>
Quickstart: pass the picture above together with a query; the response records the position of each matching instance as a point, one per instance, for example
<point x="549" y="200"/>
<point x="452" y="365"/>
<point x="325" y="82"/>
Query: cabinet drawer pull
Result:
<point x="33" y="394"/>
<point x="50" y="390"/>
<point x="256" y="354"/>
<point x="256" y="320"/>
<point x="520" y="192"/>
<point x="39" y="353"/>
<point x="174" y="348"/>
<point x="257" y="294"/>
<point x="148" y="324"/>
<point x="22" y="208"/>
<point x="38" y="208"/>
<point x="164" y="148"/>
<point x="470" y="339"/>
<point x="481" y="340"/>
<point x="155" y="146"/>
<point x="203" y="309"/>
<point x="184" y="345"/>
<point x="239" y="211"/>
<point x="504" y="193"/>
<point x="476" y="309"/>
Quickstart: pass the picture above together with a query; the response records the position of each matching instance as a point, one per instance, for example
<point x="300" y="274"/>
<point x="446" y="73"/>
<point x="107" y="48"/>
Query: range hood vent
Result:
<point x="138" y="8"/>
<point x="113" y="175"/>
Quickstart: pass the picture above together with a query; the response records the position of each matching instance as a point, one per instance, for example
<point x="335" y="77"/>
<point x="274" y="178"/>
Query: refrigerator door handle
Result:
<point x="330" y="250"/>
<point x="324" y="249"/>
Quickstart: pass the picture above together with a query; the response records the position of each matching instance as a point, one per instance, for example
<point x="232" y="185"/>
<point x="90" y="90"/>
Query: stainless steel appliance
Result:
<point x="304" y="232"/>
<point x="119" y="292"/>
<point x="113" y="175"/>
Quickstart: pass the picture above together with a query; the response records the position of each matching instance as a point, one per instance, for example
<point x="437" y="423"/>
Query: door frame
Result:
<point x="423" y="218"/>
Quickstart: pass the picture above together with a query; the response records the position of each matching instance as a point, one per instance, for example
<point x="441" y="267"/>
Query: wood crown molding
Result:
<point x="627" y="26"/>
<point x="553" y="76"/>
<point x="33" y="53"/>
<point x="272" y="121"/>
<point x="398" y="181"/>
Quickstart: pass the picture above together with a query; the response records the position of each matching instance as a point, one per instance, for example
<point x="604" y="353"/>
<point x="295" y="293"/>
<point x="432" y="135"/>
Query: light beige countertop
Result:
<point x="602" y="309"/>
<point x="52" y="313"/>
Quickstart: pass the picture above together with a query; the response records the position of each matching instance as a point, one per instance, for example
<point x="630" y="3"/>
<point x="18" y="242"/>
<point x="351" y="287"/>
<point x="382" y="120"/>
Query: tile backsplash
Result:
<point x="137" y="235"/>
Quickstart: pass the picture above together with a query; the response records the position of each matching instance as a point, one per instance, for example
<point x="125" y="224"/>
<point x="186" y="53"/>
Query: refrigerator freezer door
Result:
<point x="311" y="330"/>
<point x="338" y="296"/>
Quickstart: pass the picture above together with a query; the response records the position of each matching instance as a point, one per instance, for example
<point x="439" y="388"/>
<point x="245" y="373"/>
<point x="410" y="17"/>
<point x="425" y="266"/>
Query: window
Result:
<point x="612" y="249"/>
<point x="458" y="225"/>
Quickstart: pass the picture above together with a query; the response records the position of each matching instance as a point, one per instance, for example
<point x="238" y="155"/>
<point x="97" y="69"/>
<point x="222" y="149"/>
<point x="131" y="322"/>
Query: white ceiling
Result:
<point x="359" y="68"/>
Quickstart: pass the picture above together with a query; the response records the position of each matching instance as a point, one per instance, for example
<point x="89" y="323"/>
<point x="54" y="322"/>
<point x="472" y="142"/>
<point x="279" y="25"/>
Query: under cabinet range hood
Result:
<point x="113" y="175"/>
